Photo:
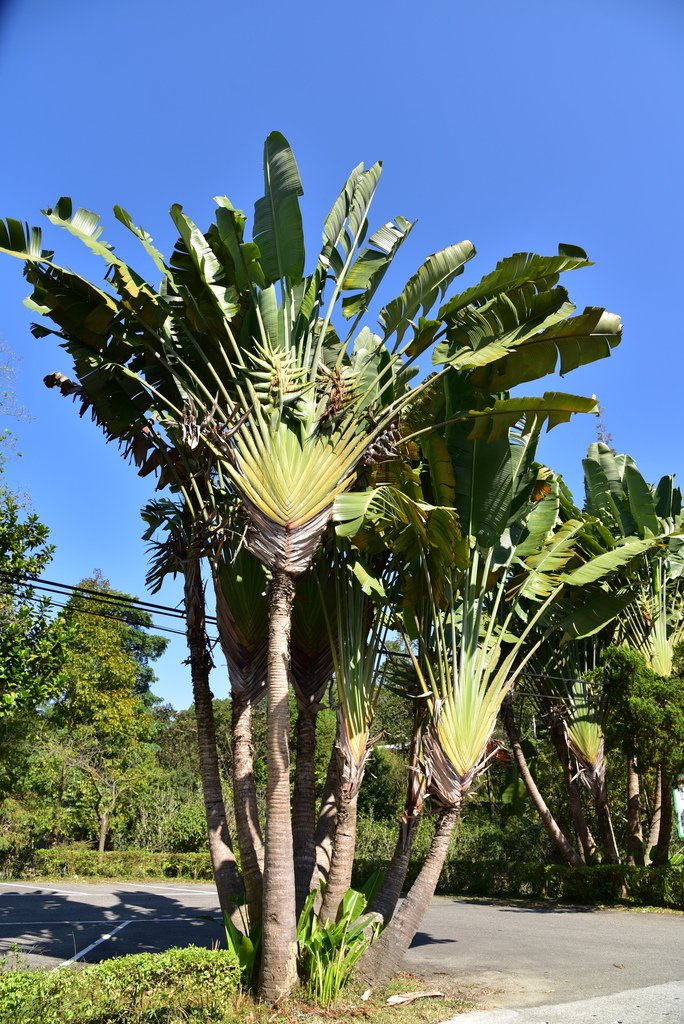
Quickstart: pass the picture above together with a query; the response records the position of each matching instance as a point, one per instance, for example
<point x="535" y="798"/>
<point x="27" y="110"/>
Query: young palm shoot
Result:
<point x="469" y="660"/>
<point x="357" y="640"/>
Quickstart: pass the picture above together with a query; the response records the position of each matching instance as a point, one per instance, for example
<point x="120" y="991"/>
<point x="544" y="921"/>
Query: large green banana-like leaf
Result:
<point x="22" y="241"/>
<point x="370" y="371"/>
<point x="368" y="270"/>
<point x="278" y="230"/>
<point x="442" y="480"/>
<point x="492" y="477"/>
<point x="346" y="224"/>
<point x="244" y="256"/>
<point x="124" y="217"/>
<point x="602" y="502"/>
<point x="86" y="227"/>
<point x="552" y="408"/>
<point x="668" y="498"/>
<point x="211" y="271"/>
<point x="422" y="289"/>
<point x="478" y="336"/>
<point x="544" y="567"/>
<point x="567" y="345"/>
<point x="412" y="529"/>
<point x="514" y="272"/>
<point x="592" y="610"/>
<point x="539" y="523"/>
<point x="604" y="565"/>
<point x="641" y="502"/>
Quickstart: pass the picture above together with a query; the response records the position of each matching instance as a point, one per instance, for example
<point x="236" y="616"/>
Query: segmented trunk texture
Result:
<point x="327" y="821"/>
<point x="635" y="837"/>
<point x="279" y="940"/>
<point x="385" y="900"/>
<point x="250" y="840"/>
<point x="654" y="830"/>
<point x="339" y="878"/>
<point x="304" y="803"/>
<point x="570" y="855"/>
<point x="224" y="866"/>
<point x="384" y="958"/>
<point x="661" y="852"/>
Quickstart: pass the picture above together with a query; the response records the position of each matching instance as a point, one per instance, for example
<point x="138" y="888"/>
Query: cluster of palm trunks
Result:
<point x="337" y="487"/>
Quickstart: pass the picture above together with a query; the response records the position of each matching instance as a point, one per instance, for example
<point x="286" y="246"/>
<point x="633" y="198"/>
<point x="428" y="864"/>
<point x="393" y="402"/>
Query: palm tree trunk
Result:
<point x="386" y="898"/>
<point x="654" y="829"/>
<point x="249" y="837"/>
<point x="279" y="940"/>
<point x="569" y="854"/>
<point x="327" y="820"/>
<point x="661" y="853"/>
<point x="635" y="837"/>
<point x="342" y="862"/>
<point x="224" y="866"/>
<point x="304" y="803"/>
<point x="383" y="959"/>
<point x="584" y="836"/>
<point x="604" y="820"/>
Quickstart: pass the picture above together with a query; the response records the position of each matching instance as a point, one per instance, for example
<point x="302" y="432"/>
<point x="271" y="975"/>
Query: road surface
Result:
<point x="505" y="955"/>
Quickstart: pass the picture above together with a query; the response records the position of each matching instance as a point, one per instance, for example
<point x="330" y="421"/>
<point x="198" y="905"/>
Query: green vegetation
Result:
<point x="182" y="984"/>
<point x="405" y="596"/>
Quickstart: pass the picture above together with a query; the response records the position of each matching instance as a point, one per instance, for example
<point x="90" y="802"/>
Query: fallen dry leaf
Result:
<point x="409" y="997"/>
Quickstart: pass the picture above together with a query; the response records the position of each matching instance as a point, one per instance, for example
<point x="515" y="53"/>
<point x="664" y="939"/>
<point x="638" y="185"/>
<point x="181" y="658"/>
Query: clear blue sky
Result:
<point x="517" y="125"/>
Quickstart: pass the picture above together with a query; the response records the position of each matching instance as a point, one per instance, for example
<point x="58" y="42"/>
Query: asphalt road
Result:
<point x="525" y="955"/>
<point x="510" y="956"/>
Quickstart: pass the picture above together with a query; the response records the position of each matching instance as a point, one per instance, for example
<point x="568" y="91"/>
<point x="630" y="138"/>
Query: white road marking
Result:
<point x="103" y="938"/>
<point x="44" y="888"/>
<point x="173" y="888"/>
<point x="137" y="920"/>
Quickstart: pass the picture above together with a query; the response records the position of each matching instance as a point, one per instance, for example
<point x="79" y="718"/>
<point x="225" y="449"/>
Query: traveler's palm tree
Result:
<point x="242" y="361"/>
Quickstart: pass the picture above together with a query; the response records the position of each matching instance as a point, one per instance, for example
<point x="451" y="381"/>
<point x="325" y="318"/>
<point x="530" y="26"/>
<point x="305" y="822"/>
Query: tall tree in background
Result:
<point x="100" y="713"/>
<point x="32" y="642"/>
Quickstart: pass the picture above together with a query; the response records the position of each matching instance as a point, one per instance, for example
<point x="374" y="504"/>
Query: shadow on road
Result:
<point x="522" y="907"/>
<point x="44" y="928"/>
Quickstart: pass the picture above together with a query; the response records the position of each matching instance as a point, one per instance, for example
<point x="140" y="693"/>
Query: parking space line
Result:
<point x="82" y="952"/>
<point x="176" y="888"/>
<point x="99" y="920"/>
<point x="45" y="888"/>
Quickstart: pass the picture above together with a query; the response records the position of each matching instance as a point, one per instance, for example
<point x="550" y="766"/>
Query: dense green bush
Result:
<point x="184" y="984"/>
<point x="604" y="883"/>
<point x="67" y="861"/>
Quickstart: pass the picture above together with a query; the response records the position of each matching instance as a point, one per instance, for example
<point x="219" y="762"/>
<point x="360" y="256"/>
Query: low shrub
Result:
<point x="183" y="984"/>
<point x="602" y="883"/>
<point x="138" y="864"/>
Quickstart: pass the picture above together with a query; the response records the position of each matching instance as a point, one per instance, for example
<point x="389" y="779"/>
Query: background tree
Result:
<point x="100" y="718"/>
<point x="33" y="644"/>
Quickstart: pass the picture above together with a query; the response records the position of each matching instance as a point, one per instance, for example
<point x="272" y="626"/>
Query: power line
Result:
<point x="117" y="618"/>
<point x="62" y="589"/>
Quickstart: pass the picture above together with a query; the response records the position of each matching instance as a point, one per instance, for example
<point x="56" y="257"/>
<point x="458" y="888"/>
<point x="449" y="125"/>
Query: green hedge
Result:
<point x="181" y="984"/>
<point x="136" y="864"/>
<point x="604" y="883"/>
